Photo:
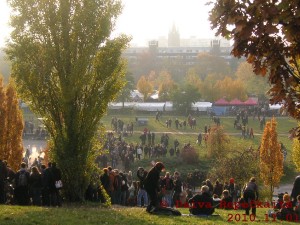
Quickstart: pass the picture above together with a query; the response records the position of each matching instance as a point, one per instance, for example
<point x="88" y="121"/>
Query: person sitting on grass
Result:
<point x="286" y="212"/>
<point x="297" y="207"/>
<point x="226" y="200"/>
<point x="202" y="204"/>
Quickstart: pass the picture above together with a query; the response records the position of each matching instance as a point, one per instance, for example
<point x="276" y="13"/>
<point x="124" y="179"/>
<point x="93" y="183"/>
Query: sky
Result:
<point x="145" y="20"/>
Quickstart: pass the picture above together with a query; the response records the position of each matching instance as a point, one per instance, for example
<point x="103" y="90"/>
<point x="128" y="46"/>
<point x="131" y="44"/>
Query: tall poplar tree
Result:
<point x="14" y="128"/>
<point x="11" y="128"/>
<point x="296" y="153"/>
<point x="67" y="69"/>
<point x="3" y="152"/>
<point x="271" y="157"/>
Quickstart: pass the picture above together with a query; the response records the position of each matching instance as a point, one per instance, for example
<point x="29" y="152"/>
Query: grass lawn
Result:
<point x="93" y="214"/>
<point x="189" y="135"/>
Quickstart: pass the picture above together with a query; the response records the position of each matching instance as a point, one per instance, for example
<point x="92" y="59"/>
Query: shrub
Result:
<point x="189" y="154"/>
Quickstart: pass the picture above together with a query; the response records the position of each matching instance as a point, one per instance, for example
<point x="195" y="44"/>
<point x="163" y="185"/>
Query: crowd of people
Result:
<point x="37" y="185"/>
<point x="151" y="189"/>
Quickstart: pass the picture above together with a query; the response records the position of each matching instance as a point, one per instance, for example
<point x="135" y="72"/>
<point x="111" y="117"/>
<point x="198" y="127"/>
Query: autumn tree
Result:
<point x="253" y="84"/>
<point x="144" y="87"/>
<point x="165" y="86"/>
<point x="267" y="34"/>
<point x="11" y="130"/>
<point x="217" y="142"/>
<point x="296" y="153"/>
<point x="211" y="64"/>
<point x="3" y="150"/>
<point x="14" y="128"/>
<point x="230" y="89"/>
<point x="208" y="91"/>
<point x="193" y="79"/>
<point x="67" y="69"/>
<point x="271" y="157"/>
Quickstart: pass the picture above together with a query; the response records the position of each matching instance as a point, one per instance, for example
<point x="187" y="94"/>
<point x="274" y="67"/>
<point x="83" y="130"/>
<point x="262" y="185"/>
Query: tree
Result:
<point x="217" y="142"/>
<point x="184" y="96"/>
<point x="11" y="130"/>
<point x="271" y="157"/>
<point x="211" y="64"/>
<point x="254" y="84"/>
<point x="238" y="162"/>
<point x="144" y="87"/>
<point x="266" y="33"/>
<point x="3" y="152"/>
<point x="193" y="78"/>
<point x="296" y="153"/>
<point x="129" y="86"/>
<point x="230" y="89"/>
<point x="208" y="91"/>
<point x="165" y="86"/>
<point x="14" y="128"/>
<point x="67" y="70"/>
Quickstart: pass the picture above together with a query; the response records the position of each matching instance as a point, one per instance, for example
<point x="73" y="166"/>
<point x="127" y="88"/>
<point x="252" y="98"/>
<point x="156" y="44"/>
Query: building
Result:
<point x="174" y="55"/>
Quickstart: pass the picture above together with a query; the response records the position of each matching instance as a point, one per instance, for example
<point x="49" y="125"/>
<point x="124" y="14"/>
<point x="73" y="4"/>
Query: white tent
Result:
<point x="202" y="106"/>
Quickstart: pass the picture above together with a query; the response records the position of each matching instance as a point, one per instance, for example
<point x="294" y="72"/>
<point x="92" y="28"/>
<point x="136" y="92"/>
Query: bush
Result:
<point x="189" y="154"/>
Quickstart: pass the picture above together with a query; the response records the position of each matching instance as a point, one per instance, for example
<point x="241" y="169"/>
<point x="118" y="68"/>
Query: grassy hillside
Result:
<point x="189" y="135"/>
<point x="92" y="214"/>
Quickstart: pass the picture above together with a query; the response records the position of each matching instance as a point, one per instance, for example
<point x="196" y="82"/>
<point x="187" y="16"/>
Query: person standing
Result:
<point x="152" y="186"/>
<point x="168" y="185"/>
<point x="250" y="195"/>
<point x="178" y="188"/>
<point x="35" y="183"/>
<point x="3" y="176"/>
<point x="142" y="174"/>
<point x="296" y="189"/>
<point x="22" y="186"/>
<point x="56" y="198"/>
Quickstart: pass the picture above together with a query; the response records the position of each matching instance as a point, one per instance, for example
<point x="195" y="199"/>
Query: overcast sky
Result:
<point x="148" y="19"/>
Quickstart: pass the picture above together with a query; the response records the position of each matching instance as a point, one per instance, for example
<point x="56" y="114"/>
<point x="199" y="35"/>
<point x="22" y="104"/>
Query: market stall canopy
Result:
<point x="250" y="102"/>
<point x="236" y="102"/>
<point x="221" y="102"/>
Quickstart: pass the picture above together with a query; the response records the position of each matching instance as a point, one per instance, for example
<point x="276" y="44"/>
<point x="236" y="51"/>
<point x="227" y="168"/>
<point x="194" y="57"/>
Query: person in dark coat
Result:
<point x="295" y="190"/>
<point x="218" y="189"/>
<point x="152" y="186"/>
<point x="250" y="195"/>
<point x="48" y="184"/>
<point x="35" y="183"/>
<point x="202" y="204"/>
<point x="22" y="186"/>
<point x="55" y="196"/>
<point x="104" y="178"/>
<point x="3" y="176"/>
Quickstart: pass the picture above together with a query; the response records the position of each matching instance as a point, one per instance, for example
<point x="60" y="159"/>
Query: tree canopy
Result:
<point x="183" y="97"/>
<point x="267" y="34"/>
<point x="67" y="68"/>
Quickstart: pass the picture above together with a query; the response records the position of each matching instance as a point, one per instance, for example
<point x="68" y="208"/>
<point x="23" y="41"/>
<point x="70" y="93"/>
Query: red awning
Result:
<point x="250" y="101"/>
<point x="235" y="102"/>
<point x="221" y="102"/>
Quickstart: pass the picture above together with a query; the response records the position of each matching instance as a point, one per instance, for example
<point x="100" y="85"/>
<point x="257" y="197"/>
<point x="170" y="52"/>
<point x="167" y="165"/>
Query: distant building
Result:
<point x="174" y="37"/>
<point x="178" y="54"/>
